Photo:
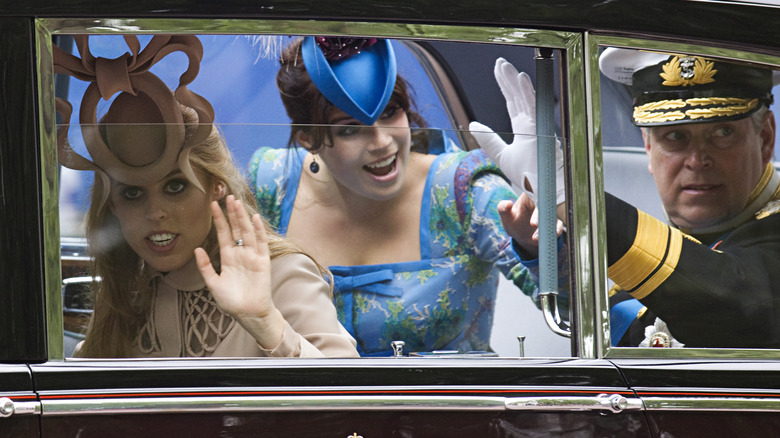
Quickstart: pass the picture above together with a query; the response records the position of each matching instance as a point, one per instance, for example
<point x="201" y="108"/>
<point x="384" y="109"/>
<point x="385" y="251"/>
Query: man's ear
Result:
<point x="768" y="137"/>
<point x="646" y="140"/>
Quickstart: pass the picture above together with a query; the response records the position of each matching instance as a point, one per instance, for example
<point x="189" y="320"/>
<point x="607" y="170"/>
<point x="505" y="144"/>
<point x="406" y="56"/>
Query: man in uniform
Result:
<point x="710" y="276"/>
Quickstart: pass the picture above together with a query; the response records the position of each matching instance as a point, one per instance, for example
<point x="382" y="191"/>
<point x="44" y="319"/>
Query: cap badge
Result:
<point x="688" y="71"/>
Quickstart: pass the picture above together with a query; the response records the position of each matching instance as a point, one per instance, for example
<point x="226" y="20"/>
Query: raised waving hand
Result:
<point x="518" y="159"/>
<point x="242" y="288"/>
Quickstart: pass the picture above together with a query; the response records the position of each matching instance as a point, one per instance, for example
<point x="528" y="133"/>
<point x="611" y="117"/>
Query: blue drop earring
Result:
<point x="313" y="166"/>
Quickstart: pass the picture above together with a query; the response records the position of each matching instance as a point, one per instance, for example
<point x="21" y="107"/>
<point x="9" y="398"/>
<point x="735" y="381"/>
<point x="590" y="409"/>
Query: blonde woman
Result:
<point x="187" y="266"/>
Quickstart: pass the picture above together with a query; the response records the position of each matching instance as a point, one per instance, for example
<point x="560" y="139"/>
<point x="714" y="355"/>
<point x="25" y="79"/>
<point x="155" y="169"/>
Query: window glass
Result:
<point x="696" y="198"/>
<point x="244" y="94"/>
<point x="433" y="285"/>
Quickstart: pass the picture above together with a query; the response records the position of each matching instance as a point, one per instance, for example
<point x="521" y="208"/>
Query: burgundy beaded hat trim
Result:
<point x="341" y="48"/>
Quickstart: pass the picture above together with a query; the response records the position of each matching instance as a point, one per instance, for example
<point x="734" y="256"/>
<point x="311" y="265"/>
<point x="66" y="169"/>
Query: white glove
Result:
<point x="518" y="160"/>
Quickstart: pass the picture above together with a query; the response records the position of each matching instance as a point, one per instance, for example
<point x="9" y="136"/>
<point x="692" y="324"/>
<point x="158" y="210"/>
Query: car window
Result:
<point x="237" y="77"/>
<point x="704" y="173"/>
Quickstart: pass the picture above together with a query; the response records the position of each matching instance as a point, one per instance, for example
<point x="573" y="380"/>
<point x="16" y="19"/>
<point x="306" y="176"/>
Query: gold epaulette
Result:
<point x="769" y="209"/>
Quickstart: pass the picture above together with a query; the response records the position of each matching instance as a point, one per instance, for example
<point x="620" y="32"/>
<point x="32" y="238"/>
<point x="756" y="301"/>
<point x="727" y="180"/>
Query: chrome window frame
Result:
<point x="593" y="42"/>
<point x="569" y="43"/>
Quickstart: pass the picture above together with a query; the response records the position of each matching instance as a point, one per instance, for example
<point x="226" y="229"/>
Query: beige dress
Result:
<point x="186" y="322"/>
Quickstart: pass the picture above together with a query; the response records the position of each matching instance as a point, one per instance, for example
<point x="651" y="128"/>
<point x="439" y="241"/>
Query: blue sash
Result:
<point x="621" y="315"/>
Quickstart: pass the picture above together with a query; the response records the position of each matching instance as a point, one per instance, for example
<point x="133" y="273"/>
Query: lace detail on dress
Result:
<point x="147" y="340"/>
<point x="205" y="326"/>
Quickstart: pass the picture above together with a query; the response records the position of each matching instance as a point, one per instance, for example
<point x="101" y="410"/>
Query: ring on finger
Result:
<point x="239" y="242"/>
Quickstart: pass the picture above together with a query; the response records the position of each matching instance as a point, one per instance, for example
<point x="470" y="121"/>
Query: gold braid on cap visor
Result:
<point x="697" y="108"/>
<point x="130" y="73"/>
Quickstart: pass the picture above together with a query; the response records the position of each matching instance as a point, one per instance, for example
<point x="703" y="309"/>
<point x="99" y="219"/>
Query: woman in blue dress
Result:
<point x="413" y="240"/>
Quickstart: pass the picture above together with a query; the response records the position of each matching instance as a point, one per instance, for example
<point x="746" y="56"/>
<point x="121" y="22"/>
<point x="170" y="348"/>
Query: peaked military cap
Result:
<point x="670" y="89"/>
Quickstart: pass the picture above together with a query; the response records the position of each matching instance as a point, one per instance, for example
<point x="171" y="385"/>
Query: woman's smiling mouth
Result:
<point x="383" y="167"/>
<point x="161" y="239"/>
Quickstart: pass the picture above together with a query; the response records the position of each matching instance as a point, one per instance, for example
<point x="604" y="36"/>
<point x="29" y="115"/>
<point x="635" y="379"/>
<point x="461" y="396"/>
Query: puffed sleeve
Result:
<point x="477" y="187"/>
<point x="487" y="235"/>
<point x="303" y="298"/>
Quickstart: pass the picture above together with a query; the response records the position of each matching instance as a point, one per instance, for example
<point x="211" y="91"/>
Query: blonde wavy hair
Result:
<point x="122" y="298"/>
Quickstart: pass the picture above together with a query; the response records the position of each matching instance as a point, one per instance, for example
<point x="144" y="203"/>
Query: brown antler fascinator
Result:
<point x="143" y="133"/>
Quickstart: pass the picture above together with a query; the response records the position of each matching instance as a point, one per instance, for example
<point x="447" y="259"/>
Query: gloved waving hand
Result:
<point x="518" y="160"/>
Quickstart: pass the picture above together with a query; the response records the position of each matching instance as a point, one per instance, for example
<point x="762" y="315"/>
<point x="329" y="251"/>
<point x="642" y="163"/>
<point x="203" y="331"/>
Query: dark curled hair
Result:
<point x="308" y="109"/>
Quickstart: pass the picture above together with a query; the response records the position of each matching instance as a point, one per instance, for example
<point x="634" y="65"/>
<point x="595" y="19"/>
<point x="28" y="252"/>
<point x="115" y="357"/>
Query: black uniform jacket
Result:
<point x="724" y="292"/>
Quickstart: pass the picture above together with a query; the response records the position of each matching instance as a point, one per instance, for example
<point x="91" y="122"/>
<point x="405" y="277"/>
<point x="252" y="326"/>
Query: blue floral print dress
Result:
<point x="445" y="300"/>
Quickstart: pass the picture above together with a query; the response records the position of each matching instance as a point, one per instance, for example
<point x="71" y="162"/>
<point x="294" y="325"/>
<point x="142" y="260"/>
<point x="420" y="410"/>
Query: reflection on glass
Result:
<point x="400" y="212"/>
<point x="187" y="267"/>
<point x="690" y="215"/>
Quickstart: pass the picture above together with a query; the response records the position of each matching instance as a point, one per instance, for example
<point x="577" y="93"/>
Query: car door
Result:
<point x="712" y="397"/>
<point x="686" y="391"/>
<point x="438" y="394"/>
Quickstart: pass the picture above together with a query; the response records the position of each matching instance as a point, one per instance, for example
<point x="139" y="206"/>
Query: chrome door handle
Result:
<point x="9" y="407"/>
<point x="613" y="403"/>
